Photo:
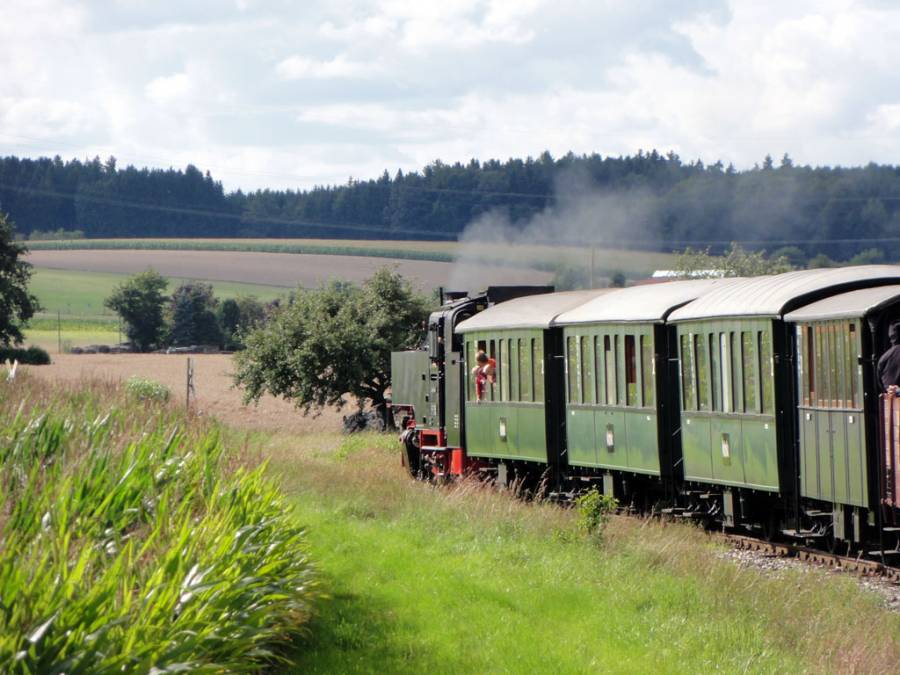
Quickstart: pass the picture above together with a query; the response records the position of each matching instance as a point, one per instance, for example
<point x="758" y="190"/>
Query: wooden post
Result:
<point x="58" y="332"/>
<point x="189" y="384"/>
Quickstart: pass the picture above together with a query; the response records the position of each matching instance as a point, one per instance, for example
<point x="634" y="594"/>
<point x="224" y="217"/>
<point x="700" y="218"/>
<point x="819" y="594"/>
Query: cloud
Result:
<point x="168" y="88"/>
<point x="302" y="67"/>
<point x="388" y="84"/>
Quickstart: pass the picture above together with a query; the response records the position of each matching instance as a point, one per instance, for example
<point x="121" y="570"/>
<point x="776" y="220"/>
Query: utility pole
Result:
<point x="593" y="250"/>
<point x="58" y="332"/>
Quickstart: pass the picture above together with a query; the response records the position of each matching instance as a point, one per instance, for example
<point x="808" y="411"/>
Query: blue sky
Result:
<point x="293" y="94"/>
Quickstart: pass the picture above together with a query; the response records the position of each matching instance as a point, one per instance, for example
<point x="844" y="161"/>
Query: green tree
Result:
<point x="736" y="262"/>
<point x="333" y="341"/>
<point x="139" y="300"/>
<point x="192" y="312"/>
<point x="17" y="305"/>
<point x="237" y="316"/>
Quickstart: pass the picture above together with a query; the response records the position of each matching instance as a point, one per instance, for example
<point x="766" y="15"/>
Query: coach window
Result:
<point x="702" y="357"/>
<point x="525" y="371"/>
<point x="715" y="372"/>
<point x="601" y="369"/>
<point x="514" y="370"/>
<point x="587" y="371"/>
<point x="647" y="370"/>
<point x="470" y="363"/>
<point x="537" y="360"/>
<point x="750" y="378"/>
<point x="504" y="370"/>
<point x="766" y="372"/>
<point x="726" y="372"/>
<point x="852" y="358"/>
<point x="687" y="373"/>
<point x="572" y="368"/>
<point x="609" y="358"/>
<point x="631" y="393"/>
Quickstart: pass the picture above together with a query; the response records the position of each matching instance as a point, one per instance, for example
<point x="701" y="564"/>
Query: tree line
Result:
<point x="672" y="203"/>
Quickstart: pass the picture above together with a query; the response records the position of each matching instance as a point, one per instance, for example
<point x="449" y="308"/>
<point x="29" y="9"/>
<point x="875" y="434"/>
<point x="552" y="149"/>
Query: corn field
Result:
<point x="129" y="545"/>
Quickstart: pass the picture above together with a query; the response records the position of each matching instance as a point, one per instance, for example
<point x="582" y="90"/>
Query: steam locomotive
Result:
<point x="743" y="403"/>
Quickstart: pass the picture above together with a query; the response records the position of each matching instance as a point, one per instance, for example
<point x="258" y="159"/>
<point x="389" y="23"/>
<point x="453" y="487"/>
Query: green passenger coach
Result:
<point x="617" y="406"/>
<point x="838" y="404"/>
<point x="510" y="421"/>
<point x="737" y="417"/>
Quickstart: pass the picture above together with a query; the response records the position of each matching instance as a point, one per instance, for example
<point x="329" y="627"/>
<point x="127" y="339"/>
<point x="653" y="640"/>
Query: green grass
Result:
<point x="81" y="294"/>
<point x="463" y="580"/>
<point x="132" y="542"/>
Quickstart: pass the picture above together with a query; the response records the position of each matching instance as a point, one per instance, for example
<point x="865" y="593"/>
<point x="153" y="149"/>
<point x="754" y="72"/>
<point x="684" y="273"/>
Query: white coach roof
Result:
<point x="647" y="303"/>
<point x="772" y="296"/>
<point x="847" y="305"/>
<point x="532" y="311"/>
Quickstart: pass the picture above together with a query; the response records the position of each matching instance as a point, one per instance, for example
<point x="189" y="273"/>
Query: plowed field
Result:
<point x="282" y="269"/>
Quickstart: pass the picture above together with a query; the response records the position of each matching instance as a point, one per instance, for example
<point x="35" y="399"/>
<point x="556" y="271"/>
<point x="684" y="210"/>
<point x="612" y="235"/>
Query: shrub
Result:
<point x="33" y="356"/>
<point x="145" y="389"/>
<point x="594" y="510"/>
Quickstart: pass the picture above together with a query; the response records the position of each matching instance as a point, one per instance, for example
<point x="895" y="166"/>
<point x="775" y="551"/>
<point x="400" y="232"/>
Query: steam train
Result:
<point x="742" y="403"/>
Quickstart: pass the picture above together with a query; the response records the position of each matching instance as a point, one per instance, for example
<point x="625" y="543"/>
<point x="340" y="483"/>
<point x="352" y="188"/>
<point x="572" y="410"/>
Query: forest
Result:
<point x="661" y="202"/>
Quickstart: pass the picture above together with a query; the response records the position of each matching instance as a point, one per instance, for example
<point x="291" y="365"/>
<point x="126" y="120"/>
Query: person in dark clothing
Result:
<point x="889" y="363"/>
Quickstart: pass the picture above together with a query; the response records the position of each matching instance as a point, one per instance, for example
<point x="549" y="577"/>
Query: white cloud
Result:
<point x="301" y="67"/>
<point x="166" y="89"/>
<point x="388" y="84"/>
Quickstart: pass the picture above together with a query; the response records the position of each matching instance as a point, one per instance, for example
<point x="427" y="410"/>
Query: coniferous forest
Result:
<point x="829" y="210"/>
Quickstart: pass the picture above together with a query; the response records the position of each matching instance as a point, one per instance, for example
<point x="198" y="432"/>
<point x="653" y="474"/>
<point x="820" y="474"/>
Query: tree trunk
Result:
<point x="381" y="409"/>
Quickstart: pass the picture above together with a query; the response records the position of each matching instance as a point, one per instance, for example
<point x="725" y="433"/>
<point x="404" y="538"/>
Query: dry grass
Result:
<point x="215" y="396"/>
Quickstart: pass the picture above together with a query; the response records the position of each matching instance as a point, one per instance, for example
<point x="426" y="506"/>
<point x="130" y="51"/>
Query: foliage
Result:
<point x="139" y="301"/>
<point x="594" y="510"/>
<point x="871" y="256"/>
<point x="55" y="235"/>
<point x="618" y="280"/>
<point x="17" y="305"/>
<point x="570" y="278"/>
<point x="144" y="389"/>
<point x="333" y="341"/>
<point x="820" y="260"/>
<point x="697" y="264"/>
<point x="33" y="356"/>
<point x="131" y="547"/>
<point x="679" y="203"/>
<point x="192" y="316"/>
<point x="239" y="315"/>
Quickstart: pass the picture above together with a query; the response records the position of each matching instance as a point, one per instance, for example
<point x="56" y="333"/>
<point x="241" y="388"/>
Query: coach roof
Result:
<point x="773" y="296"/>
<point x="847" y="305"/>
<point x="533" y="311"/>
<point x="647" y="303"/>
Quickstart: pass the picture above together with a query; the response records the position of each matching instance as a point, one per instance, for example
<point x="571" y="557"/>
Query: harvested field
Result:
<point x="280" y="269"/>
<point x="212" y="383"/>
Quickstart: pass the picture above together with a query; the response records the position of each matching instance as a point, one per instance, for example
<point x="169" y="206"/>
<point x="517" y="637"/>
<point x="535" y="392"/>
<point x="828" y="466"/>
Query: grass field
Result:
<point x="606" y="260"/>
<point x="78" y="297"/>
<point x="464" y="580"/>
<point x="467" y="579"/>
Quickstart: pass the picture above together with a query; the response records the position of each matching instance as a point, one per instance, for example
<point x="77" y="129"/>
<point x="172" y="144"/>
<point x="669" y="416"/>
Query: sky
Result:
<point x="285" y="94"/>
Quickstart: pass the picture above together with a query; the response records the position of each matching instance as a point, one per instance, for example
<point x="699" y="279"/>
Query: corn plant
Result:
<point x="137" y="550"/>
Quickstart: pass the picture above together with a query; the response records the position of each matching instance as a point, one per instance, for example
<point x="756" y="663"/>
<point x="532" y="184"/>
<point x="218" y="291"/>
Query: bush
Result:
<point x="594" y="510"/>
<point x="145" y="389"/>
<point x="33" y="356"/>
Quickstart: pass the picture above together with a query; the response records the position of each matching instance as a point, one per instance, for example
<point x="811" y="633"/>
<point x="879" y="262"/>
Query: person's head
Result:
<point x="481" y="358"/>
<point x="894" y="333"/>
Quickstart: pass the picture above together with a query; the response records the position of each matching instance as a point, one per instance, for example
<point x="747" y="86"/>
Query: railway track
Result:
<point x="859" y="566"/>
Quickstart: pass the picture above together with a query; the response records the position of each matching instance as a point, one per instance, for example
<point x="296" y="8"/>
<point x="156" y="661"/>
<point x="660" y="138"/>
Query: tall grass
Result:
<point x="128" y="543"/>
<point x="468" y="579"/>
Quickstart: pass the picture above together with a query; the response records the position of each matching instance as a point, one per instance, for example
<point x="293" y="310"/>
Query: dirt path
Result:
<point x="212" y="381"/>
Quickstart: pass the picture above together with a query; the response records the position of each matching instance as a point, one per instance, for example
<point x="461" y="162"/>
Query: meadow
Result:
<point x="73" y="302"/>
<point x="465" y="578"/>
